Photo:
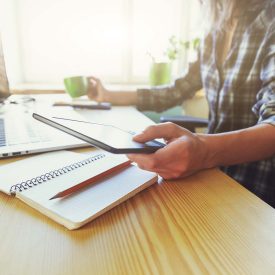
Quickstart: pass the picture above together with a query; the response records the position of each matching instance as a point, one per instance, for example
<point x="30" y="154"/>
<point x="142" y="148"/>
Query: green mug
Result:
<point x="76" y="86"/>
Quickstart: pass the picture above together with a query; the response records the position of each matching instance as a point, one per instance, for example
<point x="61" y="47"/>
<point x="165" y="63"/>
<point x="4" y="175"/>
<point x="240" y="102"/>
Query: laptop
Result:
<point x="20" y="134"/>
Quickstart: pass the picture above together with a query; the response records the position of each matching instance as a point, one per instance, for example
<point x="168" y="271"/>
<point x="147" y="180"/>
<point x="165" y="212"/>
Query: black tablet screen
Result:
<point x="105" y="136"/>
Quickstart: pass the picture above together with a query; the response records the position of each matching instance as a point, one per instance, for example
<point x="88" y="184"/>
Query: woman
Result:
<point x="236" y="68"/>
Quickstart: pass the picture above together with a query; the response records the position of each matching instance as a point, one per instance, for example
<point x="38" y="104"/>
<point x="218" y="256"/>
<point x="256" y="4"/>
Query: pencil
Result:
<point x="92" y="180"/>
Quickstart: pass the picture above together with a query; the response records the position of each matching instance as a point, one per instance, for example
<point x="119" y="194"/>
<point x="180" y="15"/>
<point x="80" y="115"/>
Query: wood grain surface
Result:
<point x="205" y="224"/>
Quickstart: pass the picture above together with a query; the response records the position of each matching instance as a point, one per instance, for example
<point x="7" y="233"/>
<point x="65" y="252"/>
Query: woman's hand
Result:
<point x="187" y="153"/>
<point x="184" y="154"/>
<point x="97" y="91"/>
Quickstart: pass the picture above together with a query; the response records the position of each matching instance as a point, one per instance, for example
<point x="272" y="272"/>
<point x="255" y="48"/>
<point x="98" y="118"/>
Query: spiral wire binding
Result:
<point x="52" y="174"/>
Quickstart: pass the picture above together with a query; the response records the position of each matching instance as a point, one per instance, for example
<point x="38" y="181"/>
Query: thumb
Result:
<point x="164" y="130"/>
<point x="94" y="87"/>
<point x="94" y="79"/>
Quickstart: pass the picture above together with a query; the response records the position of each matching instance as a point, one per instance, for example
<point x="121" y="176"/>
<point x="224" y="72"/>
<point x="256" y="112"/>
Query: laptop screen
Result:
<point x="4" y="84"/>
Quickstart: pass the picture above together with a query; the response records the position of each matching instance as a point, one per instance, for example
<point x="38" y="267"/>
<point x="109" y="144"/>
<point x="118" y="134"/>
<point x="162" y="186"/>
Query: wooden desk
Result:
<point x="205" y="224"/>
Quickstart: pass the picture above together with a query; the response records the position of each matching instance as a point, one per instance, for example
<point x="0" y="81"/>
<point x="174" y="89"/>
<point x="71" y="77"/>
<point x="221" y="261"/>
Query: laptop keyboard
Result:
<point x="2" y="133"/>
<point x="23" y="132"/>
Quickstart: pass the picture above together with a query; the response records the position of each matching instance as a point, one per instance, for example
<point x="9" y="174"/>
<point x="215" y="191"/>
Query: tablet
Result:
<point x="104" y="136"/>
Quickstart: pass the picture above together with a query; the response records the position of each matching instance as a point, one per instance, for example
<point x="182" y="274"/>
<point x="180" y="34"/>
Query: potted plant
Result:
<point x="161" y="71"/>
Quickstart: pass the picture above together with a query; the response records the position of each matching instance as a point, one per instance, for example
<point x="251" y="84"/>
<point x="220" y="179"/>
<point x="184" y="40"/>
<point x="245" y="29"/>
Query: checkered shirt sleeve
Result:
<point x="163" y="97"/>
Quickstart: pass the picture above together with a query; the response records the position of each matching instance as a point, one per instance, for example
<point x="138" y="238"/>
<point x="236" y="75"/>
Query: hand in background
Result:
<point x="97" y="91"/>
<point x="184" y="154"/>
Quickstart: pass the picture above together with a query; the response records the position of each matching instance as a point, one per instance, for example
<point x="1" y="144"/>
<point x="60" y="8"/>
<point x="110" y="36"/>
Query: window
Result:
<point x="45" y="41"/>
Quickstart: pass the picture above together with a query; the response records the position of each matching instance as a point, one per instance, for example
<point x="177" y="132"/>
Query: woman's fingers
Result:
<point x="96" y="91"/>
<point x="166" y="131"/>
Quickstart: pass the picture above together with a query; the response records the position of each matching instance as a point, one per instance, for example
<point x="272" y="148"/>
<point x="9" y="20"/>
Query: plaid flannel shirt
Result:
<point x="240" y="92"/>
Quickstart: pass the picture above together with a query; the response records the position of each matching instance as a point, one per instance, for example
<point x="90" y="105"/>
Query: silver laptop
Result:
<point x="21" y="134"/>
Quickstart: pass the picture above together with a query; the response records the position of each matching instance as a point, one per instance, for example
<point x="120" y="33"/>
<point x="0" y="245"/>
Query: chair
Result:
<point x="188" y="122"/>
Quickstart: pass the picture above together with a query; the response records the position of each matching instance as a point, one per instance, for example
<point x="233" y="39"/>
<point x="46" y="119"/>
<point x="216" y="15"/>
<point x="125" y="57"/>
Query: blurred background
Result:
<point x="116" y="40"/>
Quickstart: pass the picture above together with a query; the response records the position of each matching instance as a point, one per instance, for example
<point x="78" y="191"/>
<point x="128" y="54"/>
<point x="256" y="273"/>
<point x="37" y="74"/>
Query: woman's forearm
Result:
<point x="251" y="144"/>
<point x="122" y="98"/>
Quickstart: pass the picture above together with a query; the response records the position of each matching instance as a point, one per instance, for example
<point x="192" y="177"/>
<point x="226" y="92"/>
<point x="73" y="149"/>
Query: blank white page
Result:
<point x="83" y="206"/>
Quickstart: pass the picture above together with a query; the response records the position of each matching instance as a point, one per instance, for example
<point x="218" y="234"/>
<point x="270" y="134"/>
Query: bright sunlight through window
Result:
<point x="45" y="41"/>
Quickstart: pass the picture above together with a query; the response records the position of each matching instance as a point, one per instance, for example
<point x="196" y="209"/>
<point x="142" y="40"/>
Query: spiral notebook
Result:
<point x="36" y="179"/>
